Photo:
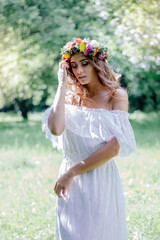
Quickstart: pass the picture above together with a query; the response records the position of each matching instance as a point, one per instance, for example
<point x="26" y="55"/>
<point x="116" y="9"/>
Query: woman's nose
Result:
<point x="79" y="69"/>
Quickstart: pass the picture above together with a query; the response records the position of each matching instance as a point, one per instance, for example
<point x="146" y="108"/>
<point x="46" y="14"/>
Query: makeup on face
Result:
<point x="82" y="69"/>
<point x="78" y="68"/>
<point x="84" y="62"/>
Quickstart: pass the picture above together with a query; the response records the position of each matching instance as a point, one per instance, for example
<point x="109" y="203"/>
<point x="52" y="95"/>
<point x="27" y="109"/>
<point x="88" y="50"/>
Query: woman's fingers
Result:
<point x="60" y="191"/>
<point x="64" y="65"/>
<point x="64" y="192"/>
<point x="62" y="184"/>
<point x="55" y="187"/>
<point x="62" y="73"/>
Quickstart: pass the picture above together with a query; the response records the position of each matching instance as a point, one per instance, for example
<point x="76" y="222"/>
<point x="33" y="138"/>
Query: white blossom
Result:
<point x="67" y="47"/>
<point x="94" y="44"/>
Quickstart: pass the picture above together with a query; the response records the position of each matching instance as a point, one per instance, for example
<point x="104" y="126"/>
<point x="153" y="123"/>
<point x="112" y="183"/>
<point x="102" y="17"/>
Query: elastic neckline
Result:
<point x="97" y="109"/>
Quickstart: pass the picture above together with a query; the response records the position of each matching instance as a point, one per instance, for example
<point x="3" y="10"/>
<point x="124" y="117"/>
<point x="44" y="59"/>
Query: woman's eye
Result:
<point x="85" y="64"/>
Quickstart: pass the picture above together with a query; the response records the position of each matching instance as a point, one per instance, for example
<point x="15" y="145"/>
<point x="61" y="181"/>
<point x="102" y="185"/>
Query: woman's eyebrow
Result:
<point x="81" y="60"/>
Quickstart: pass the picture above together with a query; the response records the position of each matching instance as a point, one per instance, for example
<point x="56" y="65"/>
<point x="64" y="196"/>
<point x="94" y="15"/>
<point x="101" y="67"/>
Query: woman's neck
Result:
<point x="95" y="89"/>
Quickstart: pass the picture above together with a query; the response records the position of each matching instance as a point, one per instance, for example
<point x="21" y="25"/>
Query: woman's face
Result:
<point x="82" y="69"/>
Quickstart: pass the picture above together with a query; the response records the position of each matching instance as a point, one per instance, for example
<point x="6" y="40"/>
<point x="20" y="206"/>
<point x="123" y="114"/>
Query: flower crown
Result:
<point x="89" y="48"/>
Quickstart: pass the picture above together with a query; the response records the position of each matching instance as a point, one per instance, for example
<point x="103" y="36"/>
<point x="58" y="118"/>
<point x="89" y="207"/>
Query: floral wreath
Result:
<point x="89" y="48"/>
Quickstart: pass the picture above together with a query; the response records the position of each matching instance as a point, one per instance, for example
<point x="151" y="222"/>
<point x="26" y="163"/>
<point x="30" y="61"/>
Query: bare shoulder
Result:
<point x="121" y="93"/>
<point x="120" y="100"/>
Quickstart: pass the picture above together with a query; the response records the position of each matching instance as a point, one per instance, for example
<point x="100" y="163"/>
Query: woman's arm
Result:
<point x="96" y="159"/>
<point x="56" y="117"/>
<point x="103" y="154"/>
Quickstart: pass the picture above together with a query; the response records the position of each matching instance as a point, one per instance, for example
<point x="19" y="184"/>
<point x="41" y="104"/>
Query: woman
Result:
<point x="90" y="124"/>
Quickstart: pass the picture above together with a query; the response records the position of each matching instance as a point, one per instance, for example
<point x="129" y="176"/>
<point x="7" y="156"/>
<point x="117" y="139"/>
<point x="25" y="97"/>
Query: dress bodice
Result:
<point x="87" y="129"/>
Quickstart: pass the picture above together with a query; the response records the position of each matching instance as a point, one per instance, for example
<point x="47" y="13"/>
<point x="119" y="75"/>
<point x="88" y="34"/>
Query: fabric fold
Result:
<point x="55" y="140"/>
<point x="121" y="128"/>
<point x="104" y="124"/>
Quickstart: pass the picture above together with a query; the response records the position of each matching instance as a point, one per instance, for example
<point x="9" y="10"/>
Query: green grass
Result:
<point x="29" y="168"/>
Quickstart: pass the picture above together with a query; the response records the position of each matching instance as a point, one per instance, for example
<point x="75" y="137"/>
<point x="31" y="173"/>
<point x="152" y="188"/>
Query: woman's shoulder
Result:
<point x="120" y="100"/>
<point x="121" y="93"/>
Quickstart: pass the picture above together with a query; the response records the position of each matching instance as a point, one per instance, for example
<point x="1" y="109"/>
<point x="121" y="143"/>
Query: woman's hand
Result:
<point x="62" y="184"/>
<point x="62" y="72"/>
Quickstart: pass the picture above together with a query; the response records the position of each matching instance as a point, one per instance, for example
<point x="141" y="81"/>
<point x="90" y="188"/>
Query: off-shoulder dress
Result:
<point x="94" y="208"/>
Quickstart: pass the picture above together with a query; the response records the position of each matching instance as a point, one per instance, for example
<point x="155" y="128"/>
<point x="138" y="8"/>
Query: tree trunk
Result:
<point x="24" y="105"/>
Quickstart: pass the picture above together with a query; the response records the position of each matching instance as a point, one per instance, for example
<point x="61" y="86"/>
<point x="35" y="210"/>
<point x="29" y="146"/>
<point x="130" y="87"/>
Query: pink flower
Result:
<point x="86" y="51"/>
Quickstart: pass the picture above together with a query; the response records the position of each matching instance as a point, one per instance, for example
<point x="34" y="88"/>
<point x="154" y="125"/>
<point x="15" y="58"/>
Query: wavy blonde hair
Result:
<point x="78" y="94"/>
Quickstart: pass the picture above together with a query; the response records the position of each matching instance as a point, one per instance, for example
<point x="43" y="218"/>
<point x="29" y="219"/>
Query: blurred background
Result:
<point x="31" y="35"/>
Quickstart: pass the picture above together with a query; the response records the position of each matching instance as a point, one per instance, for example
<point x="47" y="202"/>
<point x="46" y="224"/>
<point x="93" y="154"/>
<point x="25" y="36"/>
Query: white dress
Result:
<point x="94" y="208"/>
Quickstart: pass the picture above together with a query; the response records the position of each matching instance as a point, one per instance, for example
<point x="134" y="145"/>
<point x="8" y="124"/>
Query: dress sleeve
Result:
<point x="56" y="140"/>
<point x="121" y="129"/>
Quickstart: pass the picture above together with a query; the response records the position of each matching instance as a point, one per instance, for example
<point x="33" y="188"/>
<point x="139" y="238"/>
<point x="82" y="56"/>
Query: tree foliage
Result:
<point x="136" y="47"/>
<point x="32" y="33"/>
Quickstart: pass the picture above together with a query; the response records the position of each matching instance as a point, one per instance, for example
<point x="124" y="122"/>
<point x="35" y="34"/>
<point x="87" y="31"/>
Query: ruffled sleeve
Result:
<point x="56" y="140"/>
<point x="101" y="126"/>
<point x="96" y="126"/>
<point x="120" y="127"/>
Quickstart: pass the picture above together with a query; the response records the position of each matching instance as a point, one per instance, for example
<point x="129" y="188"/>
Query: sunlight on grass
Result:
<point x="29" y="168"/>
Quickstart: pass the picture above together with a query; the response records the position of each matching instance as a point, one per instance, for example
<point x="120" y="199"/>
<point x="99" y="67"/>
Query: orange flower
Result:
<point x="95" y="52"/>
<point x="78" y="40"/>
<point x="63" y="58"/>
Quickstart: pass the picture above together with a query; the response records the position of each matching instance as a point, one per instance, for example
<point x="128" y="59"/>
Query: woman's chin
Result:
<point x="83" y="82"/>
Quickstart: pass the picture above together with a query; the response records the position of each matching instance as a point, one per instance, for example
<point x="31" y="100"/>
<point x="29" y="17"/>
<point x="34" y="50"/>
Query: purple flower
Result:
<point x="73" y="44"/>
<point x="89" y="47"/>
<point x="101" y="56"/>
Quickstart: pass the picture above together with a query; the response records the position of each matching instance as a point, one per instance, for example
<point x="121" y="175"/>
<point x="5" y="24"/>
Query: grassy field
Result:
<point x="29" y="168"/>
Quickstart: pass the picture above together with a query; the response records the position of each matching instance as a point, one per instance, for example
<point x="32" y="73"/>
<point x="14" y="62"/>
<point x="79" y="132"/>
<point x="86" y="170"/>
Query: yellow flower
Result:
<point x="82" y="47"/>
<point x="67" y="55"/>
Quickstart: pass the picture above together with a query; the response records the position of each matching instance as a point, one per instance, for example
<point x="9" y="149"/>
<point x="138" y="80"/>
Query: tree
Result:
<point x="134" y="42"/>
<point x="33" y="33"/>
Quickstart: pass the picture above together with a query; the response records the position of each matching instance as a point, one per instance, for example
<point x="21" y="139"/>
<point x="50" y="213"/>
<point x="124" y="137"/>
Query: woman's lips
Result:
<point x="82" y="77"/>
